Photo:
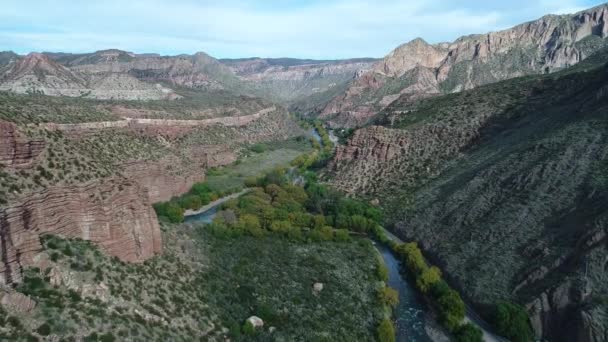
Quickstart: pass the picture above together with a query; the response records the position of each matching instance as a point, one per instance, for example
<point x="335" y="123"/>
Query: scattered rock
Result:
<point x="17" y="302"/>
<point x="256" y="321"/>
<point x="317" y="287"/>
<point x="271" y="329"/>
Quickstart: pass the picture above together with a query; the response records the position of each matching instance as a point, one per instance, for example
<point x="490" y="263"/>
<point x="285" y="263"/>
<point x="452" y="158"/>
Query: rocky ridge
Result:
<point x="288" y="80"/>
<point x="418" y="69"/>
<point x="38" y="74"/>
<point x="502" y="185"/>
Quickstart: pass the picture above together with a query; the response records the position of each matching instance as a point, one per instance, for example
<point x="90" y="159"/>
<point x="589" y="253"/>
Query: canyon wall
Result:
<point x="114" y="213"/>
<point x="419" y="69"/>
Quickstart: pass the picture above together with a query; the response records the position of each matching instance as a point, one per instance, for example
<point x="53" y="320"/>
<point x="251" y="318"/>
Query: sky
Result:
<point x="319" y="29"/>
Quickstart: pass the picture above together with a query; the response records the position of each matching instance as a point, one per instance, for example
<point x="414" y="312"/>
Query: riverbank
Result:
<point x="190" y="212"/>
<point x="470" y="315"/>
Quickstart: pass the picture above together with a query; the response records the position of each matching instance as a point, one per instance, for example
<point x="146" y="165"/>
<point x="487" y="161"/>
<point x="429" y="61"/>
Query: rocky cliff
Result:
<point x="97" y="180"/>
<point x="504" y="186"/>
<point x="38" y="74"/>
<point x="287" y="80"/>
<point x="418" y="69"/>
<point x="114" y="213"/>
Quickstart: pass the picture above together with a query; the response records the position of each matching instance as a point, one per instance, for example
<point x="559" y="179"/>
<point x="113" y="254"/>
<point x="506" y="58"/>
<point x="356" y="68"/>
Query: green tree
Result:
<point x="468" y="333"/>
<point x="342" y="235"/>
<point x="318" y="221"/>
<point x="382" y="271"/>
<point x="251" y="224"/>
<point x="388" y="296"/>
<point x="386" y="331"/>
<point x="512" y="321"/>
<point x="451" y="309"/>
<point x="429" y="277"/>
<point x="322" y="234"/>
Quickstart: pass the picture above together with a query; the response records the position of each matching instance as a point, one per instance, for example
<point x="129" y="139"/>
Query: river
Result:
<point x="409" y="315"/>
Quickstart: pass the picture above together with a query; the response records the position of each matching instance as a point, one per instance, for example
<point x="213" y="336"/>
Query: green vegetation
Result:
<point x="512" y="321"/>
<point x="205" y="283"/>
<point x="199" y="195"/>
<point x="28" y="109"/>
<point x="386" y="331"/>
<point x="428" y="280"/>
<point x="253" y="164"/>
<point x="468" y="333"/>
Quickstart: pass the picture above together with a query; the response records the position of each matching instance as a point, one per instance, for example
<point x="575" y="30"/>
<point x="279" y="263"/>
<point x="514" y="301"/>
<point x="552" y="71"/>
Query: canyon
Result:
<point x="489" y="151"/>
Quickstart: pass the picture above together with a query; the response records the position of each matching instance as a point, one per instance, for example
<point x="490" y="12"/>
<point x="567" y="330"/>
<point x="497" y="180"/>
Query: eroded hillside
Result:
<point x="504" y="186"/>
<point x="418" y="69"/>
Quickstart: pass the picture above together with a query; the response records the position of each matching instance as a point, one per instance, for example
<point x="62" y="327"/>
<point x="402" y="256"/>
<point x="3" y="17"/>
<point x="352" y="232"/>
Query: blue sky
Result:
<point x="271" y="28"/>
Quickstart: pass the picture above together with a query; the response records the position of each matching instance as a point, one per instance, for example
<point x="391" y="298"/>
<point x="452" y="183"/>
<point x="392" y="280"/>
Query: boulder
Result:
<point x="317" y="287"/>
<point x="256" y="321"/>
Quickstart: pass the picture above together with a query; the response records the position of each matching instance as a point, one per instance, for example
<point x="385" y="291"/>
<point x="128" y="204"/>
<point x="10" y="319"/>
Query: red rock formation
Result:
<point x="114" y="213"/>
<point x="16" y="149"/>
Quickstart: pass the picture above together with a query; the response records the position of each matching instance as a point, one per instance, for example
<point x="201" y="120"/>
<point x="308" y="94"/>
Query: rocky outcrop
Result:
<point x="38" y="74"/>
<point x="114" y="213"/>
<point x="548" y="44"/>
<point x="196" y="71"/>
<point x="15" y="148"/>
<point x="288" y="80"/>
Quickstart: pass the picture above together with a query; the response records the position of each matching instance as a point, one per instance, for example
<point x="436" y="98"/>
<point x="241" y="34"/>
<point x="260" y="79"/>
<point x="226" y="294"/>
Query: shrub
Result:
<point x="428" y="278"/>
<point x="342" y="235"/>
<point x="382" y="271"/>
<point x="44" y="329"/>
<point x="248" y="329"/>
<point x="512" y="321"/>
<point x="322" y="234"/>
<point x="451" y="309"/>
<point x="413" y="257"/>
<point x="386" y="331"/>
<point x="468" y="333"/>
<point x="388" y="296"/>
<point x="258" y="148"/>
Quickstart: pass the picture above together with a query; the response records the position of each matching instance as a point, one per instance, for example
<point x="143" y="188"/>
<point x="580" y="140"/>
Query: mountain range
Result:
<point x="490" y="151"/>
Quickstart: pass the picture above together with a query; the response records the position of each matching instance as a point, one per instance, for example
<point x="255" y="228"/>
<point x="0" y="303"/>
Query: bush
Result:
<point x="389" y="297"/>
<point x="428" y="278"/>
<point x="322" y="234"/>
<point x="382" y="271"/>
<point x="44" y="329"/>
<point x="342" y="235"/>
<point x="451" y="309"/>
<point x="258" y="148"/>
<point x="468" y="333"/>
<point x="386" y="331"/>
<point x="248" y="329"/>
<point x="512" y="321"/>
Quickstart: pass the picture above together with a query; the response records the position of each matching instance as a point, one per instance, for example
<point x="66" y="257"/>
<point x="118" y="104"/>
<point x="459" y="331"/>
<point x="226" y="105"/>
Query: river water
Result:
<point x="409" y="314"/>
<point x="204" y="217"/>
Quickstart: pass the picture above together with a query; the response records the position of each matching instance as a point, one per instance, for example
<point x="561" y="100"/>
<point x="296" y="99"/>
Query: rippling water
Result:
<point x="409" y="314"/>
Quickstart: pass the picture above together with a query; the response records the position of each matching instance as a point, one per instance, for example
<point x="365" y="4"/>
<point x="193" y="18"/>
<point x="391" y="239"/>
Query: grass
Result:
<point x="253" y="164"/>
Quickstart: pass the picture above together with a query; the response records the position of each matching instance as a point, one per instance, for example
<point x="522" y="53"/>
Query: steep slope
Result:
<point x="38" y="74"/>
<point x="418" y="69"/>
<point x="285" y="79"/>
<point x="95" y="176"/>
<point x="199" y="71"/>
<point x="505" y="188"/>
